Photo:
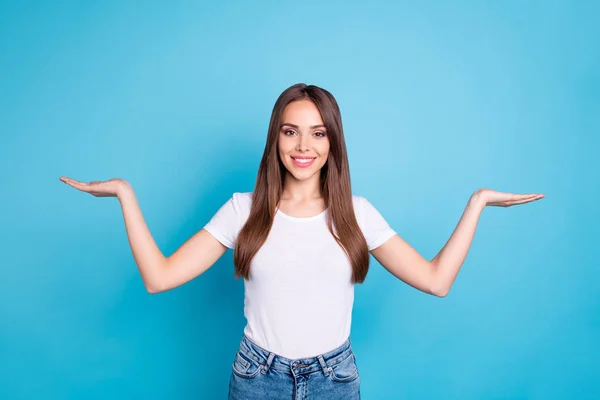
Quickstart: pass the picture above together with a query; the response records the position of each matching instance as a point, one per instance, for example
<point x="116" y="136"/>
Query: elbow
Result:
<point x="439" y="290"/>
<point x="442" y="292"/>
<point x="153" y="289"/>
<point x="156" y="283"/>
<point x="438" y="287"/>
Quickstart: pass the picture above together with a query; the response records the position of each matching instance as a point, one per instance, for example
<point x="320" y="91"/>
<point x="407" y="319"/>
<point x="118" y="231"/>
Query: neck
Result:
<point x="308" y="189"/>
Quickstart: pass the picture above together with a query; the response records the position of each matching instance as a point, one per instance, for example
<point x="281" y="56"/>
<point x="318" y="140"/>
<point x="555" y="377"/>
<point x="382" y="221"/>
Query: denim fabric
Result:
<point x="260" y="374"/>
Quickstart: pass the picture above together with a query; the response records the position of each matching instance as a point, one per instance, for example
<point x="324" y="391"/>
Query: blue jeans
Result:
<point x="260" y="374"/>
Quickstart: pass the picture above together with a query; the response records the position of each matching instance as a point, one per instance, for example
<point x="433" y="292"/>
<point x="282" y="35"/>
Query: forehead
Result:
<point x="302" y="112"/>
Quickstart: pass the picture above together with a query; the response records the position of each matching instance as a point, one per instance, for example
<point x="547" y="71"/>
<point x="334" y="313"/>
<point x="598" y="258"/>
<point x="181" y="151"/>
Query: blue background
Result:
<point x="437" y="98"/>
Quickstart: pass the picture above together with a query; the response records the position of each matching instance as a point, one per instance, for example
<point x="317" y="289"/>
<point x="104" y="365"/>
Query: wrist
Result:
<point x="478" y="199"/>
<point x="124" y="190"/>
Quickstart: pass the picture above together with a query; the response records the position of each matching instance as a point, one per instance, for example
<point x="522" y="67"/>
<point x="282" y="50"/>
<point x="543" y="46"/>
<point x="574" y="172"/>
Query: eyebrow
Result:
<point x="297" y="127"/>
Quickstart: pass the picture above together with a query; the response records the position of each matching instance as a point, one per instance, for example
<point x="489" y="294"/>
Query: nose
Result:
<point x="302" y="143"/>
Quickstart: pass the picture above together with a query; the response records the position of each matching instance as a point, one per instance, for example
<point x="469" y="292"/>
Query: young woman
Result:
<point x="301" y="241"/>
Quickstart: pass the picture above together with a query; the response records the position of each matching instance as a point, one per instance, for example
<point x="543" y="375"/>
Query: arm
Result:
<point x="450" y="259"/>
<point x="158" y="272"/>
<point x="437" y="276"/>
<point x="434" y="277"/>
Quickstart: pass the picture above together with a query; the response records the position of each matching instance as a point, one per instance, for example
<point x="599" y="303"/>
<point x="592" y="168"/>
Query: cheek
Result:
<point x="285" y="145"/>
<point x="281" y="148"/>
<point x="324" y="150"/>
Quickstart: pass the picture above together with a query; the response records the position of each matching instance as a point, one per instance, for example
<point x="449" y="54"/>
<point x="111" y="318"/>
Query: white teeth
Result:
<point x="305" y="160"/>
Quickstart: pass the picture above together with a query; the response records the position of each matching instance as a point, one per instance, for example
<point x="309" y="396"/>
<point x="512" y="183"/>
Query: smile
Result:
<point x="303" y="162"/>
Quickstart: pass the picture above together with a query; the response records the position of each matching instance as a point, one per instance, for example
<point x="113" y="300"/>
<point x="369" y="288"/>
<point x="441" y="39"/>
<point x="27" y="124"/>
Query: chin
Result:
<point x="304" y="175"/>
<point x="300" y="175"/>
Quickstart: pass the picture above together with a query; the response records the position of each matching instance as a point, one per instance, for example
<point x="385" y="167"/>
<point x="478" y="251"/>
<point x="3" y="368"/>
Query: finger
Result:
<point x="525" y="200"/>
<point x="78" y="185"/>
<point x="534" y="197"/>
<point x="69" y="180"/>
<point x="525" y="196"/>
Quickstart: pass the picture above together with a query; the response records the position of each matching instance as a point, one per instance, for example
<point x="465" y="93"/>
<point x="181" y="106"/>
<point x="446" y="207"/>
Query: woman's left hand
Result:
<point x="488" y="197"/>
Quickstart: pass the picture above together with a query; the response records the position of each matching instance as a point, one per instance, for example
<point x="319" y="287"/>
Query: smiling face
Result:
<point x="303" y="142"/>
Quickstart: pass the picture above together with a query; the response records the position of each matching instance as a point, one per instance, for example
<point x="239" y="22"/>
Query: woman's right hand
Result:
<point x="111" y="188"/>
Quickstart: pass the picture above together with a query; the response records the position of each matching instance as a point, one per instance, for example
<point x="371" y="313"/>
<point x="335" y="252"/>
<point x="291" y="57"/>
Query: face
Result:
<point x="303" y="141"/>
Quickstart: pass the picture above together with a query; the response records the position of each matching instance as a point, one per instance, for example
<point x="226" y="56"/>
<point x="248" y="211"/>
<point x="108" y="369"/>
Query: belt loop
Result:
<point x="323" y="365"/>
<point x="269" y="361"/>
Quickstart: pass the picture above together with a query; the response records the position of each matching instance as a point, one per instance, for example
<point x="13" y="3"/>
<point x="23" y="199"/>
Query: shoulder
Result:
<point x="356" y="199"/>
<point x="358" y="202"/>
<point x="242" y="202"/>
<point x="364" y="209"/>
<point x="242" y="197"/>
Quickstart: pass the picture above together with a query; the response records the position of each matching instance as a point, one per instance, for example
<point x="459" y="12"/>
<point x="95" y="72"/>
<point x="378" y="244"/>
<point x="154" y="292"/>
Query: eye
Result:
<point x="286" y="132"/>
<point x="322" y="134"/>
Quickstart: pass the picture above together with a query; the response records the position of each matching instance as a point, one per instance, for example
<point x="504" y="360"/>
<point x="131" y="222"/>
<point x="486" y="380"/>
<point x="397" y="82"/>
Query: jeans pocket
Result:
<point x="346" y="370"/>
<point x="245" y="367"/>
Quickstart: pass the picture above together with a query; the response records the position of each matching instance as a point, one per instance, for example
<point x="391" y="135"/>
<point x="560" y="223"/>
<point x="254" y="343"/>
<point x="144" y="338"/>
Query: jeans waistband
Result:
<point x="269" y="359"/>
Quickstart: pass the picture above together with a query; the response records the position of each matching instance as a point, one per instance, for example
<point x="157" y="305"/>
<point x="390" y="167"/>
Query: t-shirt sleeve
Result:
<point x="374" y="227"/>
<point x="225" y="224"/>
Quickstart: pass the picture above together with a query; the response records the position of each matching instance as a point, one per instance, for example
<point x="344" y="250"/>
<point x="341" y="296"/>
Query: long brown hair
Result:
<point x="334" y="184"/>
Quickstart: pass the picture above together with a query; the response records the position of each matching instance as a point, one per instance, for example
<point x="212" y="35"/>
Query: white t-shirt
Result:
<point x="299" y="297"/>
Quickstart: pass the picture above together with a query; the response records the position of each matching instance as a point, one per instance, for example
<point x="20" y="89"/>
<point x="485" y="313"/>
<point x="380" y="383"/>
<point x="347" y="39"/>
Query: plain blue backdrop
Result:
<point x="437" y="98"/>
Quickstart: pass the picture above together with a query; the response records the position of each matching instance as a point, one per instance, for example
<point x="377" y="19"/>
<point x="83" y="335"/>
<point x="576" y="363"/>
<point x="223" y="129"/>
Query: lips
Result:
<point x="303" y="162"/>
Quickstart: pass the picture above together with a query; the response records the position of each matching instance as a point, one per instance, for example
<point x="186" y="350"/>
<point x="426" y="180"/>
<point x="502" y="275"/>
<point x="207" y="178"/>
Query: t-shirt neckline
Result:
<point x="279" y="212"/>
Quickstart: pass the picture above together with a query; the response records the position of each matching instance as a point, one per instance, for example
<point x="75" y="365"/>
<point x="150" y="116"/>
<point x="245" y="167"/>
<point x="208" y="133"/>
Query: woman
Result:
<point x="301" y="241"/>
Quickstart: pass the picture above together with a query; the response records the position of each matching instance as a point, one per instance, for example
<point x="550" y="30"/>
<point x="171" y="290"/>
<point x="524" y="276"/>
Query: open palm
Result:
<point x="506" y="199"/>
<point x="109" y="188"/>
